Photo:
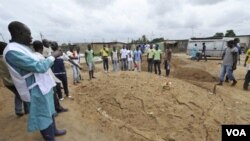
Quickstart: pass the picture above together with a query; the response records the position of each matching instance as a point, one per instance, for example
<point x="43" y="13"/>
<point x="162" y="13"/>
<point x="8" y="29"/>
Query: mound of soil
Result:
<point x="1" y="83"/>
<point x="182" y="70"/>
<point x="132" y="106"/>
<point x="135" y="106"/>
<point x="188" y="73"/>
<point x="176" y="62"/>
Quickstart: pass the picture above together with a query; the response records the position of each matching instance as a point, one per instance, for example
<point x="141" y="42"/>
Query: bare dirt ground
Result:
<point x="132" y="106"/>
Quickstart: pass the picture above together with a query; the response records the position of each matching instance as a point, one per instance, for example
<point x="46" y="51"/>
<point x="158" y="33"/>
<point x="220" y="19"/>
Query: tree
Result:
<point x="230" y="33"/>
<point x="64" y="44"/>
<point x="219" y="34"/>
<point x="156" y="40"/>
<point x="142" y="40"/>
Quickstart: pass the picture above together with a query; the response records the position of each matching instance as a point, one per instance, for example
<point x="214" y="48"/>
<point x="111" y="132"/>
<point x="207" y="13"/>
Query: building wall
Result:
<point x="98" y="46"/>
<point x="117" y="45"/>
<point x="176" y="45"/>
<point x="244" y="41"/>
<point x="82" y="46"/>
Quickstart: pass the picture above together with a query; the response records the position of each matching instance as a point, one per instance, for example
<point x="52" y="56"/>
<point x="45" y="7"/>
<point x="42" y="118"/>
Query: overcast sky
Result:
<point x="123" y="20"/>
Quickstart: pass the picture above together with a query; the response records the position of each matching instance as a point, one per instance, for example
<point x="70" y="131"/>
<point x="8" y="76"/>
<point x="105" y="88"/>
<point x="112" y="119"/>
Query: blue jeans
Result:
<point x="226" y="69"/>
<point x="76" y="74"/>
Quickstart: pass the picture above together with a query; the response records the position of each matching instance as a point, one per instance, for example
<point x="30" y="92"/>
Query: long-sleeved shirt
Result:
<point x="41" y="106"/>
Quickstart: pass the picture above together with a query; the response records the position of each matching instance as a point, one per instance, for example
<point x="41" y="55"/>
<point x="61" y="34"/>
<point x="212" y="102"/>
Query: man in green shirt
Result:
<point x="89" y="55"/>
<point x="150" y="58"/>
<point x="157" y="59"/>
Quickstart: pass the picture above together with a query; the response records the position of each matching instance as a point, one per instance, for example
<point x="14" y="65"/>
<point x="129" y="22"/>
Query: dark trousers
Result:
<point x="167" y="67"/>
<point x="105" y="63"/>
<point x="157" y="65"/>
<point x="124" y="64"/>
<point x="57" y="104"/>
<point x="150" y="65"/>
<point x="18" y="101"/>
<point x="247" y="80"/>
<point x="63" y="78"/>
<point x="58" y="90"/>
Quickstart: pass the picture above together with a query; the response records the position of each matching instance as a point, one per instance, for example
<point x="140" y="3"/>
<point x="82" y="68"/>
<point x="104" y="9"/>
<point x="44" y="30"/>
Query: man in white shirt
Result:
<point x="38" y="47"/>
<point x="114" y="58"/>
<point x="130" y="58"/>
<point x="124" y="57"/>
<point x="47" y="49"/>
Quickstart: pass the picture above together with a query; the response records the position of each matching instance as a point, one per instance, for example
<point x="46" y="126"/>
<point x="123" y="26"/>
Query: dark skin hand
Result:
<point x="57" y="53"/>
<point x="72" y="62"/>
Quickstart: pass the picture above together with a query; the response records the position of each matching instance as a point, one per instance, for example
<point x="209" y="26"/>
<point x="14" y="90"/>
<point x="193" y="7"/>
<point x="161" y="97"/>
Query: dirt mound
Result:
<point x="186" y="70"/>
<point x="182" y="70"/>
<point x="177" y="62"/>
<point x="131" y="106"/>
<point x="187" y="73"/>
<point x="1" y="83"/>
<point x="135" y="106"/>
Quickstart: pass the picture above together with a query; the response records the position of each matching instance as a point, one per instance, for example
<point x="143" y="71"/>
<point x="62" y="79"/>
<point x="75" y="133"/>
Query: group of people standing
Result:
<point x="154" y="58"/>
<point x="34" y="72"/>
<point x="129" y="60"/>
<point x="35" y="75"/>
<point x="230" y="59"/>
<point x="125" y="59"/>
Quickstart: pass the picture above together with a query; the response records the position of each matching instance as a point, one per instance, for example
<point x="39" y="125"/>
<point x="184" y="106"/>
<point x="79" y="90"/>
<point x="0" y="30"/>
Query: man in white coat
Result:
<point x="32" y="80"/>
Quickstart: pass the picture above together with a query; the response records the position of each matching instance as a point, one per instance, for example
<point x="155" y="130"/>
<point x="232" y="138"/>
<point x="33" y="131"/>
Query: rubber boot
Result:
<point x="56" y="131"/>
<point x="48" y="133"/>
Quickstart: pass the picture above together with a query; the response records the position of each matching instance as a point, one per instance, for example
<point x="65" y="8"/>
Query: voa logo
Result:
<point x="236" y="132"/>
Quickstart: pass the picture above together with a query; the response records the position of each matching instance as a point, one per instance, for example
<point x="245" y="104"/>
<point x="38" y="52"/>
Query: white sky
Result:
<point x="123" y="20"/>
